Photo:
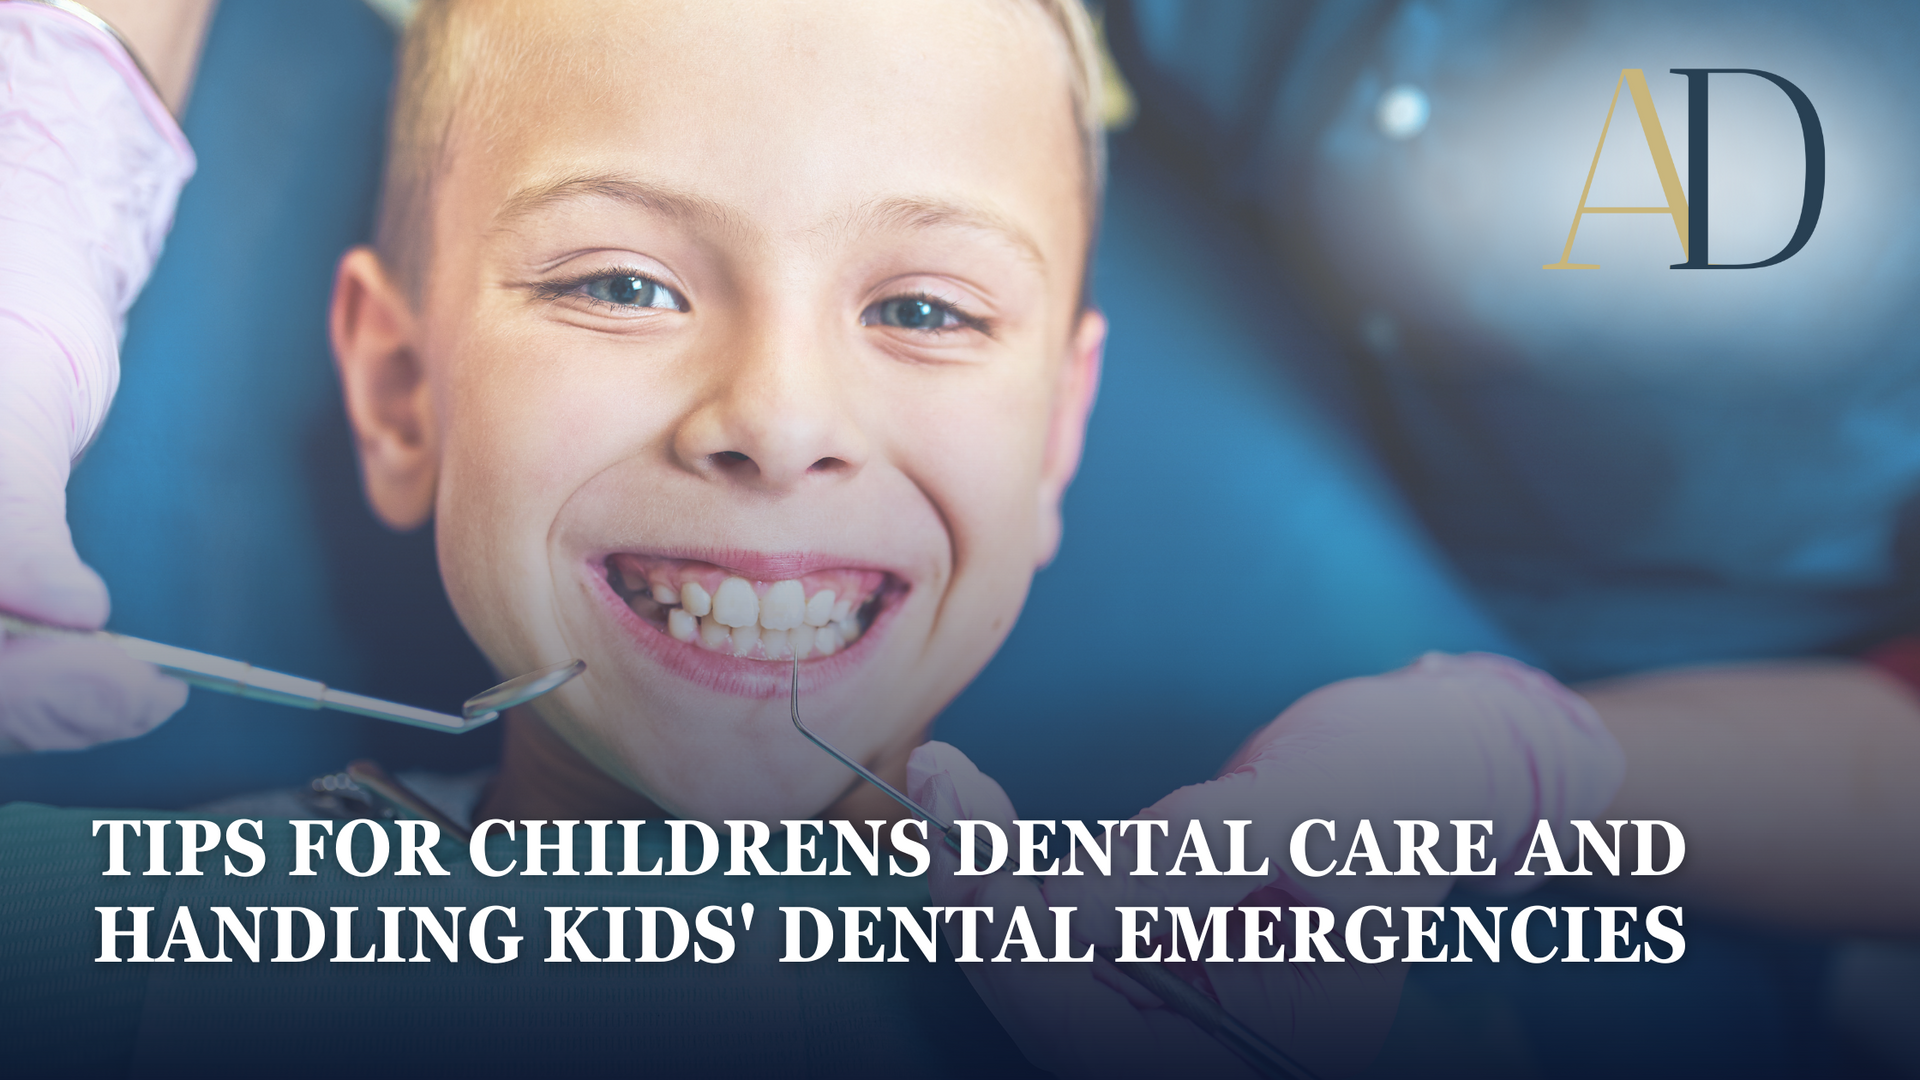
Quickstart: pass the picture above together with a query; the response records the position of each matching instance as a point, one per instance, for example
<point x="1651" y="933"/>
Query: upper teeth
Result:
<point x="781" y="622"/>
<point x="783" y="606"/>
<point x="695" y="599"/>
<point x="819" y="609"/>
<point x="735" y="605"/>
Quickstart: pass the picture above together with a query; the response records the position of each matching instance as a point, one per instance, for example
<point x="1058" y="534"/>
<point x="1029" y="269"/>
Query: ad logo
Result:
<point x="1690" y="222"/>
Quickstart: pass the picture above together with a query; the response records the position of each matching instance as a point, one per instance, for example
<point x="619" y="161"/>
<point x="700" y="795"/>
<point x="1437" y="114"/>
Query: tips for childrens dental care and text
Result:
<point x="1309" y="914"/>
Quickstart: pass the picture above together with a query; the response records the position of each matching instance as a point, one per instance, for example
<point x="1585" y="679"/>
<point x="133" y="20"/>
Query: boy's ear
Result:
<point x="375" y="348"/>
<point x="1067" y="427"/>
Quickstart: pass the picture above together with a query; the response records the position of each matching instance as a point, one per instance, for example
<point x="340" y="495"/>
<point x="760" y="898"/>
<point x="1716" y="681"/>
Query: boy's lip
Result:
<point x="752" y="565"/>
<point x="755" y="678"/>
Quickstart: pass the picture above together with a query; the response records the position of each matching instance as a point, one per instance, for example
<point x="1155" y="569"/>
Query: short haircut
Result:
<point x="441" y="50"/>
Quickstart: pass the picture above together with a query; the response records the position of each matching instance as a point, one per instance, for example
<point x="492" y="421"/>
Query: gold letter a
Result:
<point x="1635" y="80"/>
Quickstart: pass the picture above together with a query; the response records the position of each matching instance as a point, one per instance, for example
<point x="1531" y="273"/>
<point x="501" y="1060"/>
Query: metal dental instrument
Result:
<point x="387" y="788"/>
<point x="1178" y="995"/>
<point x="489" y="704"/>
<point x="244" y="680"/>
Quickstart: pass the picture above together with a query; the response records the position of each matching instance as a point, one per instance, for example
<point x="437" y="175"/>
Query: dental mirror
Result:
<point x="489" y="704"/>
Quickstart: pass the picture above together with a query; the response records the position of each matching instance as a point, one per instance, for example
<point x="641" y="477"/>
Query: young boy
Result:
<point x="715" y="338"/>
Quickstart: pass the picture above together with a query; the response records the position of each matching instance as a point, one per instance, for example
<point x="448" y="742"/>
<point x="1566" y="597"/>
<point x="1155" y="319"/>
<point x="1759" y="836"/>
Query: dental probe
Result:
<point x="1178" y="995"/>
<point x="242" y="679"/>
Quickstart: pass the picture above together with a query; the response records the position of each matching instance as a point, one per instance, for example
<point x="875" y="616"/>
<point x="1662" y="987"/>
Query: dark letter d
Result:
<point x="1816" y="184"/>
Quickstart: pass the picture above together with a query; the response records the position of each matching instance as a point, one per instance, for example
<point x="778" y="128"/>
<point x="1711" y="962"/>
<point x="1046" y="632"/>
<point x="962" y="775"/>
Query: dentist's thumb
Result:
<point x="952" y="788"/>
<point x="41" y="576"/>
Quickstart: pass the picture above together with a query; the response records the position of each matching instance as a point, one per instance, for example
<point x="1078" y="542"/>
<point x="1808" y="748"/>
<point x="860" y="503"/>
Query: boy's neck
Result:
<point x="542" y="776"/>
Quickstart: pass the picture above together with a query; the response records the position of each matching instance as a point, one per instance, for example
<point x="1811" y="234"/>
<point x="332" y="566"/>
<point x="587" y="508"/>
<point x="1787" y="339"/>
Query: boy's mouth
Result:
<point x="812" y="616"/>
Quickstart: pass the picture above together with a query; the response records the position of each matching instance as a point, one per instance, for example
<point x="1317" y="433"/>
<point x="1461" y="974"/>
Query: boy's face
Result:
<point x="781" y="293"/>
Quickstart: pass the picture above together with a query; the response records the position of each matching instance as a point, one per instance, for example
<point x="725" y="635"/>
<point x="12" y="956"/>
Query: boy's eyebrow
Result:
<point x="627" y="189"/>
<point x="933" y="213"/>
<point x="898" y="212"/>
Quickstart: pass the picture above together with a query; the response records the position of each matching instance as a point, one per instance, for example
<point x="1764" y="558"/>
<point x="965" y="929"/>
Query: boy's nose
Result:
<point x="773" y="420"/>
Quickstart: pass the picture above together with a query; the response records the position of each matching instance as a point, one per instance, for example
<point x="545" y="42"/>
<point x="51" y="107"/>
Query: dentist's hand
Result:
<point x="1476" y="737"/>
<point x="90" y="167"/>
<point x="1089" y="1019"/>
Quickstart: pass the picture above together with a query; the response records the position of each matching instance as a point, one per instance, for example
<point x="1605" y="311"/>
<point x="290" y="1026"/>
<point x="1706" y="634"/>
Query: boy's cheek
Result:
<point x="501" y="487"/>
<point x="492" y="585"/>
<point x="987" y="481"/>
<point x="516" y="445"/>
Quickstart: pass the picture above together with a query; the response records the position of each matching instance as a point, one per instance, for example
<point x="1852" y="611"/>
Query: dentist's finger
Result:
<point x="68" y="693"/>
<point x="1065" y="1016"/>
<point x="41" y="577"/>
<point x="947" y="783"/>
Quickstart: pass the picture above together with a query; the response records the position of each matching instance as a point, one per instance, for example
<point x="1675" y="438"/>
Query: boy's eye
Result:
<point x="632" y="290"/>
<point x="914" y="313"/>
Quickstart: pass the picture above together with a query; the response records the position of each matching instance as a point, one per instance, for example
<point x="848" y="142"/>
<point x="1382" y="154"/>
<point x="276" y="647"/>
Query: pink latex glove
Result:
<point x="1474" y="737"/>
<point x="91" y="165"/>
<point x="1088" y="1019"/>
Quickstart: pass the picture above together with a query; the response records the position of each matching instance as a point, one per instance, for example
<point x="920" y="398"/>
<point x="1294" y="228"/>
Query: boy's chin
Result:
<point x="753" y="774"/>
<point x="763" y="797"/>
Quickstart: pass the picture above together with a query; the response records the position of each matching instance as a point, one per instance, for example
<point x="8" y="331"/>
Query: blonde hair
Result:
<point x="440" y="52"/>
